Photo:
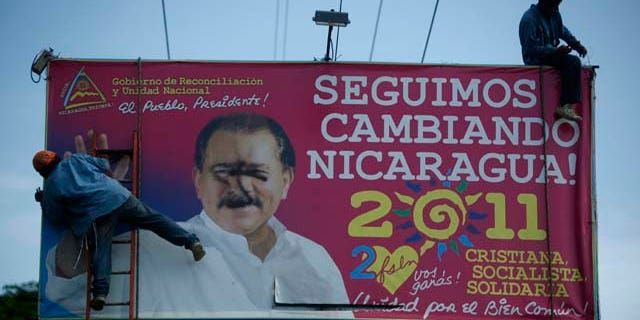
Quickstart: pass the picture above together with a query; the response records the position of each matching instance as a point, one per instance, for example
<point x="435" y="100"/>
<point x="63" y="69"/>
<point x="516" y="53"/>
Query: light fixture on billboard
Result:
<point x="331" y="19"/>
<point x="41" y="62"/>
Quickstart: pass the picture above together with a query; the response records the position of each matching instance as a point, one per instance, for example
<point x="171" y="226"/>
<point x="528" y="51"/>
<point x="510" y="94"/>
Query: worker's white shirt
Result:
<point x="229" y="281"/>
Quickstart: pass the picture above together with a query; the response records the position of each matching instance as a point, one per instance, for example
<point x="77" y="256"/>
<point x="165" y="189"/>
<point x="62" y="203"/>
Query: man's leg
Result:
<point x="137" y="214"/>
<point x="101" y="261"/>
<point x="570" y="69"/>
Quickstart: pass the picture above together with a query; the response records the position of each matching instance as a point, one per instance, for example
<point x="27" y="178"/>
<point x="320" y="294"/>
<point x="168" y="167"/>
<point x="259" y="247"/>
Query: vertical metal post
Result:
<point x="326" y="55"/>
<point x="275" y="32"/>
<point x="424" y="52"/>
<point x="286" y="26"/>
<point x="136" y="184"/>
<point x="166" y="33"/>
<point x="335" y="56"/>
<point x="375" y="31"/>
<point x="87" y="308"/>
<point x="546" y="182"/>
<point x="88" y="252"/>
<point x="134" y="249"/>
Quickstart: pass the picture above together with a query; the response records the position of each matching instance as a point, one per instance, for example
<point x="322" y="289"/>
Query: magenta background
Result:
<point x="320" y="209"/>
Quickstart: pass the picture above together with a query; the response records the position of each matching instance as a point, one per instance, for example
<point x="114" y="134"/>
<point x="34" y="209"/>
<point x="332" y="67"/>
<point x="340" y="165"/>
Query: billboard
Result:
<point x="415" y="191"/>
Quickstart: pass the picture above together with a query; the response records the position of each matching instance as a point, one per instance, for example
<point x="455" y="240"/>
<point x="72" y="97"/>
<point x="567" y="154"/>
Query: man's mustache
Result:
<point x="234" y="200"/>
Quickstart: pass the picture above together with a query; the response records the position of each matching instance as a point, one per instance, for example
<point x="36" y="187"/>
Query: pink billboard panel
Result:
<point x="383" y="190"/>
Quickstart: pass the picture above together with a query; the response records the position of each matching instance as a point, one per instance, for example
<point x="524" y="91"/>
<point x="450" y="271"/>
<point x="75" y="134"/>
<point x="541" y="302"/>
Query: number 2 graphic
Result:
<point x="359" y="271"/>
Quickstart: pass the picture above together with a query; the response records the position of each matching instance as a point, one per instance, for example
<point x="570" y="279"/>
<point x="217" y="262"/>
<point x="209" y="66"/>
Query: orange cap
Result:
<point x="43" y="159"/>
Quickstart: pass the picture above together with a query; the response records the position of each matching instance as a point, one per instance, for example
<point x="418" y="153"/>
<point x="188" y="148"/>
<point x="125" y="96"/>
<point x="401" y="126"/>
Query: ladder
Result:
<point x="114" y="154"/>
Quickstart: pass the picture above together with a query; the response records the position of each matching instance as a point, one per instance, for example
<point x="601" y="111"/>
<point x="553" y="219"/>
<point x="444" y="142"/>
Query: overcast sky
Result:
<point x="465" y="32"/>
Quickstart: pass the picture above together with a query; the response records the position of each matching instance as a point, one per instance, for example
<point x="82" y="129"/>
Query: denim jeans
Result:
<point x="570" y="69"/>
<point x="139" y="215"/>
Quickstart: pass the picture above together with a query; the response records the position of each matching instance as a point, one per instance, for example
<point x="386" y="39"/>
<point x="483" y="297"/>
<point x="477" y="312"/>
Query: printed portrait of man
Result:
<point x="244" y="166"/>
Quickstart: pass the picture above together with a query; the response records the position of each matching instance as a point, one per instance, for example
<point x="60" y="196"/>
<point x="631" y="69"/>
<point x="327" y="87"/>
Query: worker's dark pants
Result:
<point x="570" y="69"/>
<point x="137" y="214"/>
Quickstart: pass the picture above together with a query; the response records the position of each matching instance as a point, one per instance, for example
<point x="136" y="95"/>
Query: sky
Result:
<point x="464" y="32"/>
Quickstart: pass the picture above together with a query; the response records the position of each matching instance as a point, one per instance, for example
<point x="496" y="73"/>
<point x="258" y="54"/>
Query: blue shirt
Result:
<point x="539" y="36"/>
<point x="78" y="191"/>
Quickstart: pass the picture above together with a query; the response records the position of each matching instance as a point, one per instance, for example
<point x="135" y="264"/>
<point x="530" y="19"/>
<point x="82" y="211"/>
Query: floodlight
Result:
<point x="42" y="61"/>
<point x="331" y="18"/>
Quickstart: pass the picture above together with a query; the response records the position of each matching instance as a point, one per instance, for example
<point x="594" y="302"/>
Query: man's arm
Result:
<point x="121" y="166"/>
<point x="102" y="163"/>
<point x="532" y="39"/>
<point x="49" y="213"/>
<point x="568" y="37"/>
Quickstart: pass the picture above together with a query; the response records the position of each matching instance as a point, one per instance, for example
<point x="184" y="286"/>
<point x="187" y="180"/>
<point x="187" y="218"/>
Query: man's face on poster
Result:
<point x="242" y="180"/>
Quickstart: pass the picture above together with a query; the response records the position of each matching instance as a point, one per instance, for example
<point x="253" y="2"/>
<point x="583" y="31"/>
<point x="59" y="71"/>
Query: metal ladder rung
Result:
<point x="117" y="303"/>
<point x="110" y="152"/>
<point x="125" y="272"/>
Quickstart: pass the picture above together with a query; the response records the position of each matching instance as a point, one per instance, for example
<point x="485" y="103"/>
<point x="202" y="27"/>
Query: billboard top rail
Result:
<point x="515" y="66"/>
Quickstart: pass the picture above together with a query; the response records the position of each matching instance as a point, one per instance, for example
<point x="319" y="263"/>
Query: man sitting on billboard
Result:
<point x="541" y="30"/>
